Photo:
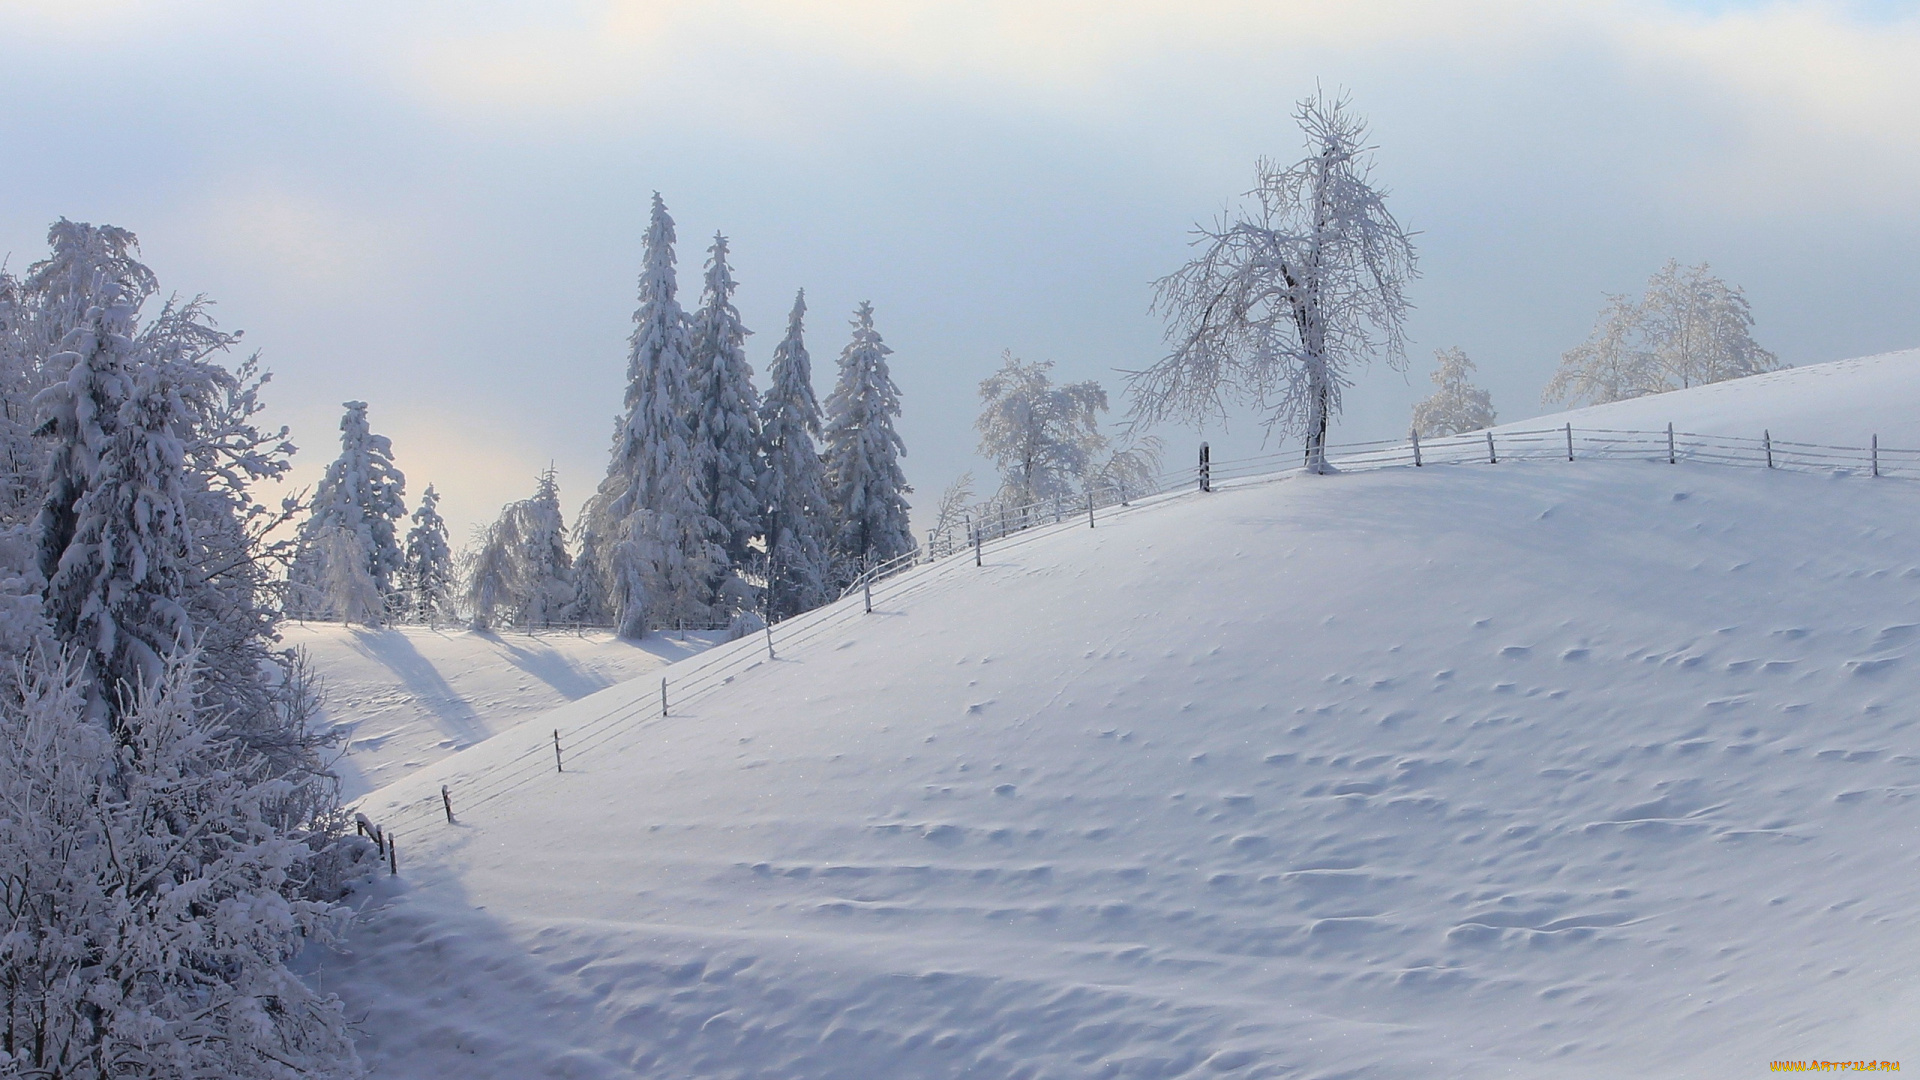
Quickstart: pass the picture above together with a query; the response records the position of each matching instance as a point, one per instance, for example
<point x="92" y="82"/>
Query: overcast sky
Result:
<point x="438" y="207"/>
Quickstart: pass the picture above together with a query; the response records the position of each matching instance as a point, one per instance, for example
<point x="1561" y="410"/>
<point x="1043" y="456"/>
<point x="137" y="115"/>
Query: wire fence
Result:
<point x="958" y="545"/>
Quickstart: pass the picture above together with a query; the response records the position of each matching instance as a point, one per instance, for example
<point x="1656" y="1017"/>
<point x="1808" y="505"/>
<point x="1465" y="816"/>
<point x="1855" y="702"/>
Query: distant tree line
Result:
<point x="719" y="508"/>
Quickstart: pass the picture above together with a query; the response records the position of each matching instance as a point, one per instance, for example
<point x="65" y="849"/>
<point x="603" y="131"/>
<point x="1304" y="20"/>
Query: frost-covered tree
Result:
<point x="651" y="551"/>
<point x="1689" y="328"/>
<point x="113" y="533"/>
<point x="864" y="481"/>
<point x="1044" y="438"/>
<point x="146" y="519"/>
<point x="522" y="573"/>
<point x="429" y="568"/>
<point x="726" y="429"/>
<point x="152" y="895"/>
<point x="360" y="500"/>
<point x="793" y="485"/>
<point x="1289" y="297"/>
<point x="1456" y="405"/>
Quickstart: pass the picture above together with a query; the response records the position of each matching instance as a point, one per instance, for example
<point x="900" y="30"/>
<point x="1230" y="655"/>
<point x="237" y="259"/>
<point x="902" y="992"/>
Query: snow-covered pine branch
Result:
<point x="1288" y="297"/>
<point x="1456" y="405"/>
<point x="793" y="486"/>
<point x="863" y="452"/>
<point x="1689" y="328"/>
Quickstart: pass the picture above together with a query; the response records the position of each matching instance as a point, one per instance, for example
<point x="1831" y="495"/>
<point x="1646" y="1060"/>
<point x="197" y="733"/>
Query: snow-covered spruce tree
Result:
<point x="726" y="429"/>
<point x="113" y="532"/>
<point x="1288" y="297"/>
<point x="1689" y="328"/>
<point x="149" y="444"/>
<point x="864" y="481"/>
<point x="522" y="574"/>
<point x="361" y="499"/>
<point x="650" y="550"/>
<point x="428" y="575"/>
<point x="1044" y="438"/>
<point x="1457" y="405"/>
<point x="38" y="313"/>
<point x="145" y="913"/>
<point x="793" y="485"/>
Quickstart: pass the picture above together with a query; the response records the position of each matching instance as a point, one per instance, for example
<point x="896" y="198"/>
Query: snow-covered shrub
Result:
<point x="150" y="897"/>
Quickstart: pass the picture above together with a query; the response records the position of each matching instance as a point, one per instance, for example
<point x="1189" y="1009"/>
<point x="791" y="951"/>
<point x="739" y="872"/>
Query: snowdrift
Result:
<point x="1580" y="769"/>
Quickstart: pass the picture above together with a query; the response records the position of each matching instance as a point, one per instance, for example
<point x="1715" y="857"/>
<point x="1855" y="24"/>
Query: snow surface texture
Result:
<point x="406" y="697"/>
<point x="1543" y="769"/>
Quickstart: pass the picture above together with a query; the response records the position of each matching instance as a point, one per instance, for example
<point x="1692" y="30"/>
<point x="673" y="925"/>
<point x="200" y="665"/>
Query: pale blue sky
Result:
<point x="438" y="206"/>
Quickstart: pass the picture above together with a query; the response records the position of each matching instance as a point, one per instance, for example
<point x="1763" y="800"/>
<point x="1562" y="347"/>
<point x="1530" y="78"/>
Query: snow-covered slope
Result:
<point x="1540" y="769"/>
<point x="1845" y="402"/>
<point x="405" y="697"/>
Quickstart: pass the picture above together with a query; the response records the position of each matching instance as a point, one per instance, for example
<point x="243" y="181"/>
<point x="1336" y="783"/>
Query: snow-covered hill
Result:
<point x="405" y="697"/>
<point x="1543" y="769"/>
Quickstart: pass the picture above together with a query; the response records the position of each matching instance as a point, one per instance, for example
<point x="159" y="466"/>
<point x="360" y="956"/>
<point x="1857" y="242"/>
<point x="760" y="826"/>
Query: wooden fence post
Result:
<point x="866" y="587"/>
<point x="976" y="545"/>
<point x="558" y="766"/>
<point x="1569" y="441"/>
<point x="1766" y="438"/>
<point x="663" y="697"/>
<point x="1415" y="432"/>
<point x="393" y="856"/>
<point x="1876" y="455"/>
<point x="1089" y="508"/>
<point x="1206" y="468"/>
<point x="1492" y="459"/>
<point x="446" y="800"/>
<point x="770" y="655"/>
<point x="1671" y="459"/>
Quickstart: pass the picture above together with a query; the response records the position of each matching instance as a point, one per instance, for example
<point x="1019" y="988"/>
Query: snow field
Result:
<point x="1556" y="769"/>
<point x="405" y="697"/>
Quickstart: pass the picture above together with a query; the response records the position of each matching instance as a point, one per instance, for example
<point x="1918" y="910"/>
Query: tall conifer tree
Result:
<point x="652" y="551"/>
<point x="864" y="480"/>
<point x="793" y="485"/>
<point x="356" y="513"/>
<point x="726" y="408"/>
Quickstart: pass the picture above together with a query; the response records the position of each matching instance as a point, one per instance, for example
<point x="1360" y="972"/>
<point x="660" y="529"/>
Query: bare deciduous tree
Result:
<point x="1288" y="297"/>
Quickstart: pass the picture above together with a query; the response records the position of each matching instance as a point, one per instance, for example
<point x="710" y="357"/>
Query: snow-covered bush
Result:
<point x="150" y="898"/>
<point x="1457" y="405"/>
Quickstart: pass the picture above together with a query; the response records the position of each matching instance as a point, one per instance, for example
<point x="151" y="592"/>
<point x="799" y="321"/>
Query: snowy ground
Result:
<point x="409" y="696"/>
<point x="1540" y="769"/>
